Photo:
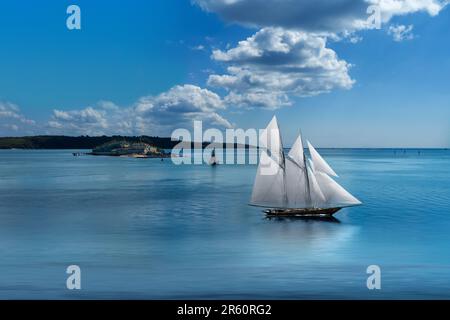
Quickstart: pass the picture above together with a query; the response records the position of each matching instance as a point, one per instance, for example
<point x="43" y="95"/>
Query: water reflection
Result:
<point x="315" y="235"/>
<point x="154" y="229"/>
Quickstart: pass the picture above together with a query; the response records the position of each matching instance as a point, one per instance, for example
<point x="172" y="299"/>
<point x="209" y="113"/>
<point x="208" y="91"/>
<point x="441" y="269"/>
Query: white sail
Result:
<point x="335" y="194"/>
<point x="311" y="165"/>
<point x="319" y="163"/>
<point x="297" y="182"/>
<point x="296" y="153"/>
<point x="294" y="181"/>
<point x="270" y="139"/>
<point x="269" y="189"/>
<point x="318" y="199"/>
<point x="297" y="187"/>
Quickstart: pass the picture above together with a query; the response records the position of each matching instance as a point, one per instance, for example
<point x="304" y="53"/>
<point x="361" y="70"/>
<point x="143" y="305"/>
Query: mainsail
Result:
<point x="295" y="181"/>
<point x="269" y="189"/>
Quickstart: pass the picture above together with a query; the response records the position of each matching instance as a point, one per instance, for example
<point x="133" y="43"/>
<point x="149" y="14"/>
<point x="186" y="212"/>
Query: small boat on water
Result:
<point x="213" y="159"/>
<point x="292" y="185"/>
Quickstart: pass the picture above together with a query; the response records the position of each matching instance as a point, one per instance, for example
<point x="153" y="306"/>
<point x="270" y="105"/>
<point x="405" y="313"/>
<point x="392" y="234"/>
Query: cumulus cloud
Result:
<point x="180" y="106"/>
<point x="105" y="117"/>
<point x="152" y="115"/>
<point x="12" y="119"/>
<point x="316" y="15"/>
<point x="401" y="32"/>
<point x="85" y="121"/>
<point x="391" y="8"/>
<point x="309" y="15"/>
<point x="274" y="63"/>
<point x="288" y="55"/>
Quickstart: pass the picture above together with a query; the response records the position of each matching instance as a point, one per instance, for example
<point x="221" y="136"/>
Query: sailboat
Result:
<point x="213" y="160"/>
<point x="294" y="185"/>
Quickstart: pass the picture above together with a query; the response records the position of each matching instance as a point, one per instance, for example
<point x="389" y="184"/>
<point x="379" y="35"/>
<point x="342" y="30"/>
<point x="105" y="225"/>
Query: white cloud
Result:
<point x="258" y="98"/>
<point x="199" y="47"/>
<point x="12" y="127"/>
<point x="12" y="119"/>
<point x="315" y="15"/>
<point x="88" y="121"/>
<point x="288" y="55"/>
<point x="107" y="105"/>
<point x="355" y="38"/>
<point x="104" y="118"/>
<point x="152" y="115"/>
<point x="274" y="63"/>
<point x="178" y="107"/>
<point x="401" y="32"/>
<point x="391" y="8"/>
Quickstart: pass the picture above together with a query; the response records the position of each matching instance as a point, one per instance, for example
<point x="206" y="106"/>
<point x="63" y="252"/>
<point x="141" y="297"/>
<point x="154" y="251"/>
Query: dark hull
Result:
<point x="301" y="212"/>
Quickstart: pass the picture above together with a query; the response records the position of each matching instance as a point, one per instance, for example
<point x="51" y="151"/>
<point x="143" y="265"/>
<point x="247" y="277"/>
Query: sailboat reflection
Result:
<point x="321" y="235"/>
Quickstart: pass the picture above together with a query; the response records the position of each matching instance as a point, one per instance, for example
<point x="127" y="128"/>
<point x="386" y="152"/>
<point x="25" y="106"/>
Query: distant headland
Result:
<point x="85" y="142"/>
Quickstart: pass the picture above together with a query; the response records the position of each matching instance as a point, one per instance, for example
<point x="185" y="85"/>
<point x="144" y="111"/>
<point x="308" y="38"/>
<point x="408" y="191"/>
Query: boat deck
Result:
<point x="316" y="212"/>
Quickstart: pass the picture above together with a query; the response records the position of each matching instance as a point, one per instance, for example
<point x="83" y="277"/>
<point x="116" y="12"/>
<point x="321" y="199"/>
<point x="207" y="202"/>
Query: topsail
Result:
<point x="293" y="181"/>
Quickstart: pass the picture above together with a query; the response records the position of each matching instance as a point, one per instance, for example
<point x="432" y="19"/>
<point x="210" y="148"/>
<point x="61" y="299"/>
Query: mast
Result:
<point x="283" y="167"/>
<point x="305" y="171"/>
<point x="280" y="155"/>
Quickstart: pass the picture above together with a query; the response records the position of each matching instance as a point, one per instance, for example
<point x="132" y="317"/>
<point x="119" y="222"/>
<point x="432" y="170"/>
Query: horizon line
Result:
<point x="166" y="137"/>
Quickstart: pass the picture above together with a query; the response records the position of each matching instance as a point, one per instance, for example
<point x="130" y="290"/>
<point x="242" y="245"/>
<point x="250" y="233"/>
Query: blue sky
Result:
<point x="148" y="67"/>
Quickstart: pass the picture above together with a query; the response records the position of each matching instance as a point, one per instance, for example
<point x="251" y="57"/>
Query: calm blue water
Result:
<point x="142" y="228"/>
